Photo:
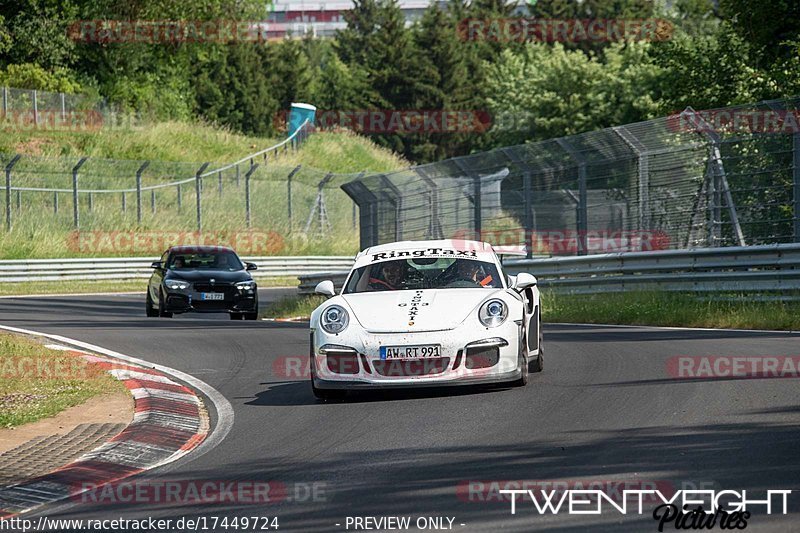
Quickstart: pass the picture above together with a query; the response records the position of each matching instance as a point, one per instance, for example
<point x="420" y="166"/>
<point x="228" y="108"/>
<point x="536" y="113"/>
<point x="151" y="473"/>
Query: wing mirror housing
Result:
<point x="157" y="265"/>
<point x="250" y="266"/>
<point x="325" y="287"/>
<point x="524" y="280"/>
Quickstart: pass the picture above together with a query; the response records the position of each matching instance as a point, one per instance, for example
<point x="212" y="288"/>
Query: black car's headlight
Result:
<point x="176" y="284"/>
<point x="334" y="319"/>
<point x="246" y="285"/>
<point x="493" y="313"/>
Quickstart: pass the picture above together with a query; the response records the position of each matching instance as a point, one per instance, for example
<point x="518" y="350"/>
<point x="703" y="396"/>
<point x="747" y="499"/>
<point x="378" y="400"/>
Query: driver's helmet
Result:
<point x="471" y="270"/>
<point x="392" y="272"/>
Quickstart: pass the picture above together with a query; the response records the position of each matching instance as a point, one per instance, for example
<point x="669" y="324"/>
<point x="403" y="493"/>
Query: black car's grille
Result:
<point x="214" y="287"/>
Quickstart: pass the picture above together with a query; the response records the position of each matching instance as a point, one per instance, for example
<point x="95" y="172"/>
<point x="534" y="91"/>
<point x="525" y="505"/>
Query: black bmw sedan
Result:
<point x="205" y="279"/>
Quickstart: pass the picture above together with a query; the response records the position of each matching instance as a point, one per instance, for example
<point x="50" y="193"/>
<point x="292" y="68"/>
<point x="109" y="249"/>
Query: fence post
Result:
<point x="289" y="194"/>
<point x="582" y="210"/>
<point x="643" y="166"/>
<point x="179" y="194"/>
<point x="139" y="191"/>
<point x="91" y="202"/>
<point x="9" y="166"/>
<point x="796" y="183"/>
<point x="35" y="109"/>
<point x="63" y="107"/>
<point x="247" y="193"/>
<point x="75" y="208"/>
<point x="527" y="199"/>
<point x="237" y="176"/>
<point x="198" y="195"/>
<point x="124" y="203"/>
<point x="153" y="201"/>
<point x="5" y="101"/>
<point x="219" y="179"/>
<point x="55" y="202"/>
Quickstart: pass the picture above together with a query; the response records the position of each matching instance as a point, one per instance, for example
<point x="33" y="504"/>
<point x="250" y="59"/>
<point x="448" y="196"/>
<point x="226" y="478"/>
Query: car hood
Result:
<point x="219" y="276"/>
<point x="415" y="310"/>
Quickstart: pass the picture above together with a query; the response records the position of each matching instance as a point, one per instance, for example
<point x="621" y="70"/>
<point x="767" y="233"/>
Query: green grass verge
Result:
<point x="36" y="382"/>
<point x="42" y="224"/>
<point x="107" y="286"/>
<point x="166" y="141"/>
<point x="638" y="308"/>
<point x="671" y="309"/>
<point x="293" y="306"/>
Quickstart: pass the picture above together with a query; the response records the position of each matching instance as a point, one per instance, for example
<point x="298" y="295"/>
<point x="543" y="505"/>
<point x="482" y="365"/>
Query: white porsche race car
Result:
<point x="426" y="313"/>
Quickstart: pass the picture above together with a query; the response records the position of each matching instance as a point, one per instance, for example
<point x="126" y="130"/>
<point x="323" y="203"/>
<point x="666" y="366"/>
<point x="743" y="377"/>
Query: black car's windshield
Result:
<point x="216" y="260"/>
<point x="424" y="273"/>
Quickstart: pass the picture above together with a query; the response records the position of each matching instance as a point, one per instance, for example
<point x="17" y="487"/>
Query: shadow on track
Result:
<point x="297" y="393"/>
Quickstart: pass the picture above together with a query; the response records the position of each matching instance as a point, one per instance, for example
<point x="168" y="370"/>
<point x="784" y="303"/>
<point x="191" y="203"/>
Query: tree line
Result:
<point x="712" y="54"/>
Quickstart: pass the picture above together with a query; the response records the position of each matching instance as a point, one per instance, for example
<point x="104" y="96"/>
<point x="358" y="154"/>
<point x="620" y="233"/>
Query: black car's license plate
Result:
<point x="212" y="295"/>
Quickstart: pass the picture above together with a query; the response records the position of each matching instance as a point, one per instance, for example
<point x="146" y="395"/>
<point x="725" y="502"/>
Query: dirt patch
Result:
<point x="31" y="146"/>
<point x="114" y="408"/>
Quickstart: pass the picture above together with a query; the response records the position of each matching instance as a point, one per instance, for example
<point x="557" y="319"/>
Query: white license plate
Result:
<point x="212" y="295"/>
<point x="419" y="351"/>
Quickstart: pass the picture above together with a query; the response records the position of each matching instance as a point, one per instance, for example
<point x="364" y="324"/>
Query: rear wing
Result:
<point x="510" y="250"/>
<point x="513" y="250"/>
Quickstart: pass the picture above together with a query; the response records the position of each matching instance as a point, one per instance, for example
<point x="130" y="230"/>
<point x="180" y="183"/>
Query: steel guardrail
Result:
<point x="132" y="268"/>
<point x="765" y="268"/>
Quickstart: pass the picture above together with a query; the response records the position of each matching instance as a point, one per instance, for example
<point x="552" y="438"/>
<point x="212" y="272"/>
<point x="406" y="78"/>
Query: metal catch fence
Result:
<point x="724" y="177"/>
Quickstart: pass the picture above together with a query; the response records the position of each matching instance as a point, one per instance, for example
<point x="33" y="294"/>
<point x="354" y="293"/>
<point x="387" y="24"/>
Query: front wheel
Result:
<point x="251" y="316"/>
<point x="162" y="312"/>
<point x="324" y="394"/>
<point x="149" y="310"/>
<point x="523" y="364"/>
<point x="327" y="394"/>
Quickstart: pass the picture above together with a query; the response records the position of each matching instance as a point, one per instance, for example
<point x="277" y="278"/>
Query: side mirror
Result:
<point x="251" y="266"/>
<point x="157" y="265"/>
<point x="325" y="287"/>
<point x="524" y="280"/>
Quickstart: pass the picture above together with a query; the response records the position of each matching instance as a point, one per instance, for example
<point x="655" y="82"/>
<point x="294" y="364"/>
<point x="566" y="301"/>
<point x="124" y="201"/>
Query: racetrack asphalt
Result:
<point x="605" y="409"/>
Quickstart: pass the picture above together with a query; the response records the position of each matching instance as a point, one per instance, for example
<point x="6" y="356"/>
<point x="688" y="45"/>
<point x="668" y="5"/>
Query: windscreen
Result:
<point x="221" y="260"/>
<point x="424" y="273"/>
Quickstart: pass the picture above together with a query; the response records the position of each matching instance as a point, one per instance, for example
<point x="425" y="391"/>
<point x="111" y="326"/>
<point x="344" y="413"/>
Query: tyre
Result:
<point x="149" y="310"/>
<point x="324" y="394"/>
<point x="538" y="364"/>
<point x="236" y="316"/>
<point x="327" y="394"/>
<point x="161" y="308"/>
<point x="253" y="315"/>
<point x="523" y="363"/>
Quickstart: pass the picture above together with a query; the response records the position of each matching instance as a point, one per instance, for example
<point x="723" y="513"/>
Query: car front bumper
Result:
<point x="470" y="355"/>
<point x="186" y="301"/>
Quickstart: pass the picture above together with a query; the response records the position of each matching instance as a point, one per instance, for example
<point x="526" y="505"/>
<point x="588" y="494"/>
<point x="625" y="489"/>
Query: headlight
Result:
<point x="176" y="284"/>
<point x="493" y="313"/>
<point x="334" y="319"/>
<point x="246" y="285"/>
